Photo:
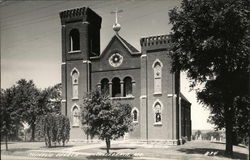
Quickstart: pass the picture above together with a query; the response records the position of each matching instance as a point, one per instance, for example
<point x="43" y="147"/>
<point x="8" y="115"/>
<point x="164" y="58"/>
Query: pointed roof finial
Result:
<point x="116" y="26"/>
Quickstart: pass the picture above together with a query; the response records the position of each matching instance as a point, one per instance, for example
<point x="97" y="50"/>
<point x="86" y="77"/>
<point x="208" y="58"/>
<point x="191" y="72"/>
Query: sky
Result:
<point x="30" y="34"/>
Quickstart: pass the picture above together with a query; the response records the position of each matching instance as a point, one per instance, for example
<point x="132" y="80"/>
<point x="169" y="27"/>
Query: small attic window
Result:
<point x="74" y="41"/>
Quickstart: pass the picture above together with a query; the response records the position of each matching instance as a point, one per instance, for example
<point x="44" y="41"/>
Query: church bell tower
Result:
<point x="80" y="41"/>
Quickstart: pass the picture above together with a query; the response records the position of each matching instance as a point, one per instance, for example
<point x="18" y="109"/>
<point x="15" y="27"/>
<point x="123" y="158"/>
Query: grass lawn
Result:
<point x="23" y="148"/>
<point x="194" y="150"/>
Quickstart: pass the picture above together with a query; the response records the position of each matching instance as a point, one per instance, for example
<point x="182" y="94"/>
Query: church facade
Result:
<point x="139" y="78"/>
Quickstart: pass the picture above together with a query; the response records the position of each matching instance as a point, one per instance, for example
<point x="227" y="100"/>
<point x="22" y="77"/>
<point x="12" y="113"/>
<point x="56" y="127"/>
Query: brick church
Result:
<point x="140" y="78"/>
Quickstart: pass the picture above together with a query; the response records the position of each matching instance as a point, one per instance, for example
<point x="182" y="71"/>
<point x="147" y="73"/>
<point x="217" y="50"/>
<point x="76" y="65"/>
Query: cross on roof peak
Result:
<point x="116" y="14"/>
<point x="116" y="26"/>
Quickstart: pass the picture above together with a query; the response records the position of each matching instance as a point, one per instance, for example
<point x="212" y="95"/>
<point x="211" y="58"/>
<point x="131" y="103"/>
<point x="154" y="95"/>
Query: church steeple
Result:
<point x="116" y="26"/>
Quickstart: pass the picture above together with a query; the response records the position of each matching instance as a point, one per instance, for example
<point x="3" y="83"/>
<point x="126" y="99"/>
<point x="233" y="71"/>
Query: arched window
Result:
<point x="135" y="114"/>
<point x="116" y="87"/>
<point x="157" y="67"/>
<point x="127" y="87"/>
<point x="75" y="116"/>
<point x="105" y="86"/>
<point x="75" y="77"/>
<point x="74" y="40"/>
<point x="157" y="113"/>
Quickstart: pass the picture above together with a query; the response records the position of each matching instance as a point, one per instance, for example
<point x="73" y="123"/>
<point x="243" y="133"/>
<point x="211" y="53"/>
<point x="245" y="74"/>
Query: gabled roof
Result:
<point x="131" y="49"/>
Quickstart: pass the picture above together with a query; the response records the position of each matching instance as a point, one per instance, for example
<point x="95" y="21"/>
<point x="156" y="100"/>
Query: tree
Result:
<point x="26" y="100"/>
<point x="10" y="120"/>
<point x="53" y="127"/>
<point x="49" y="99"/>
<point x="211" y="39"/>
<point x="103" y="118"/>
<point x="54" y="97"/>
<point x="211" y="95"/>
<point x="32" y="102"/>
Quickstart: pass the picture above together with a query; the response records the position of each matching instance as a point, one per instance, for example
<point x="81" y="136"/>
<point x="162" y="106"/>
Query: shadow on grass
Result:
<point x="13" y="150"/>
<point x="107" y="158"/>
<point x="117" y="148"/>
<point x="239" y="145"/>
<point x="66" y="146"/>
<point x="220" y="153"/>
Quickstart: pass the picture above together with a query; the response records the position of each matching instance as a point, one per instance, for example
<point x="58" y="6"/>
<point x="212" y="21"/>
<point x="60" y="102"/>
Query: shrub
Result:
<point x="53" y="128"/>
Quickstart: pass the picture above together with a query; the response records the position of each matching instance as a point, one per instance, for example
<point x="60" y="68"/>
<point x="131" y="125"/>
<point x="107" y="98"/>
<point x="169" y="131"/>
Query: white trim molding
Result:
<point x="171" y="95"/>
<point x="143" y="97"/>
<point x="135" y="109"/>
<point x="74" y="69"/>
<point x="86" y="61"/>
<point x="157" y="60"/>
<point x="158" y="101"/>
<point x="85" y="22"/>
<point x="160" y="111"/>
<point x="73" y="106"/>
<point x="76" y="51"/>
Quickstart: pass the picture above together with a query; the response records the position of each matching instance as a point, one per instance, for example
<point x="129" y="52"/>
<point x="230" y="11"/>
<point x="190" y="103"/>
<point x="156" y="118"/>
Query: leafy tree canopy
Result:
<point x="10" y="119"/>
<point x="104" y="118"/>
<point x="211" y="40"/>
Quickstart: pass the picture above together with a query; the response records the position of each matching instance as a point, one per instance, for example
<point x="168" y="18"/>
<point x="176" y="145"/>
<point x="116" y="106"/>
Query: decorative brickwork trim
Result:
<point x="155" y="40"/>
<point x="74" y="12"/>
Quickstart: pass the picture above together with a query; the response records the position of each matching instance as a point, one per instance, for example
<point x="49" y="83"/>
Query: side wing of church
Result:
<point x="142" y="79"/>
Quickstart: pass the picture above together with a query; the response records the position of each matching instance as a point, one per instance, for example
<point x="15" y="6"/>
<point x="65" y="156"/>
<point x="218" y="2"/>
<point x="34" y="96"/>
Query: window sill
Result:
<point x="135" y="122"/>
<point x="157" y="124"/>
<point x="122" y="98"/>
<point x="76" y="98"/>
<point x="75" y="126"/>
<point x="157" y="93"/>
<point x="76" y="51"/>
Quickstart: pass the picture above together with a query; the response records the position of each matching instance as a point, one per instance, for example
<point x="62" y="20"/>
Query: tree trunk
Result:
<point x="6" y="142"/>
<point x="108" y="144"/>
<point x="248" y="146"/>
<point x="49" y="142"/>
<point x="87" y="137"/>
<point x="229" y="131"/>
<point x="48" y="138"/>
<point x="32" y="132"/>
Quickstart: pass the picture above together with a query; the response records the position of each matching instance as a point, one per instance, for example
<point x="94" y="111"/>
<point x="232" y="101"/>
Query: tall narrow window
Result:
<point x="135" y="114"/>
<point x="75" y="77"/>
<point x="105" y="86"/>
<point x="116" y="87"/>
<point x="74" y="40"/>
<point x="75" y="116"/>
<point x="157" y="77"/>
<point x="127" y="87"/>
<point x="157" y="113"/>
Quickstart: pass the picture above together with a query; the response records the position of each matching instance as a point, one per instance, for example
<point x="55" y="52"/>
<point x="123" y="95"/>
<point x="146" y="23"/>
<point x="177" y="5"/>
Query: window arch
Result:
<point x="105" y="86"/>
<point x="157" y="67"/>
<point x="116" y="87"/>
<point x="135" y="114"/>
<point x="127" y="92"/>
<point x="157" y="110"/>
<point x="75" y="79"/>
<point x="75" y="115"/>
<point x="74" y="41"/>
